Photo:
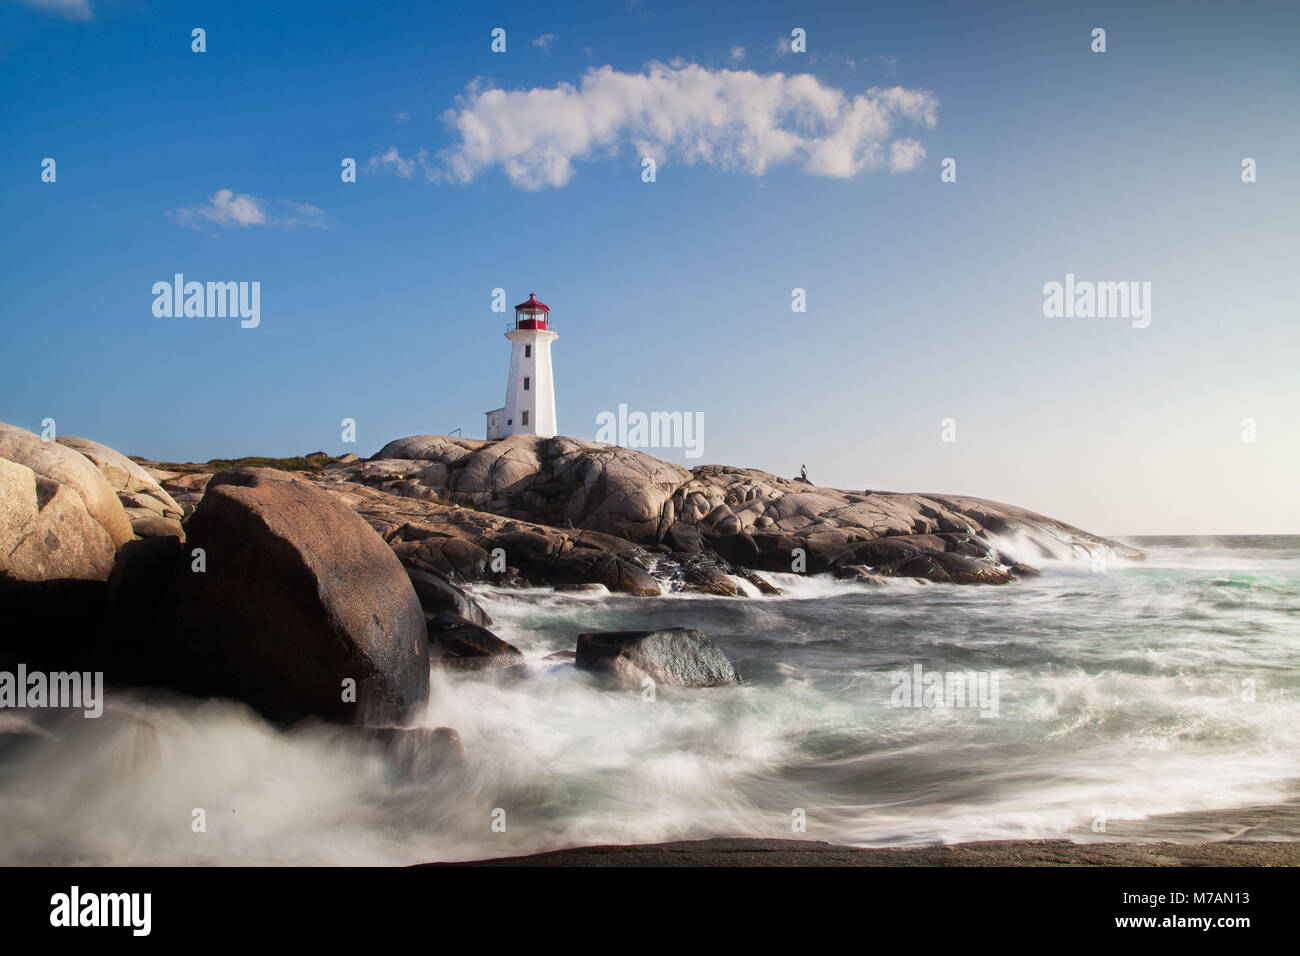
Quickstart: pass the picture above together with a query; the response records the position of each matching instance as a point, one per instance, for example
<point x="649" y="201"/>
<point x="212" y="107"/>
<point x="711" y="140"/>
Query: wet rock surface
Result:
<point x="675" y="656"/>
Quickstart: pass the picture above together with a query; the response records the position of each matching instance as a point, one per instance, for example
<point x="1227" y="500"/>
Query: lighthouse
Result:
<point x="530" y="389"/>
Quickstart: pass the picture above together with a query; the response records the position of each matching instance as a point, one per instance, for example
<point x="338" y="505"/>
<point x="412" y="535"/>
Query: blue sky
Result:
<point x="924" y="298"/>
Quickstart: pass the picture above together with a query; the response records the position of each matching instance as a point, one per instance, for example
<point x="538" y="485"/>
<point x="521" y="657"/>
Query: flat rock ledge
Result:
<point x="567" y="512"/>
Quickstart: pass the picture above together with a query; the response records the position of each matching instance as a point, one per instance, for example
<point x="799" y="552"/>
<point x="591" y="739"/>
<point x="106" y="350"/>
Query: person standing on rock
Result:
<point x="803" y="472"/>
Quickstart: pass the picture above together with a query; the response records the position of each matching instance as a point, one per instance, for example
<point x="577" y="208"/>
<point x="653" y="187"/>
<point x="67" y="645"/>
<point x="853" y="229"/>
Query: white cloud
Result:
<point x="228" y="208"/>
<point x="728" y="119"/>
<point x="71" y="9"/>
<point x="225" y="208"/>
<point x="737" y="54"/>
<point x="393" y="162"/>
<point x="544" y="41"/>
<point x="905" y="155"/>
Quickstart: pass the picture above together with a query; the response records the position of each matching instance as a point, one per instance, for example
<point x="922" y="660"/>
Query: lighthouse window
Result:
<point x="528" y="351"/>
<point x="525" y="384"/>
<point x="524" y="419"/>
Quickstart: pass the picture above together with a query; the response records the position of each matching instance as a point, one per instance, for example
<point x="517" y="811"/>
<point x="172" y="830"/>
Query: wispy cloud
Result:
<point x="70" y="9"/>
<point x="391" y="162"/>
<point x="227" y="208"/>
<point x="394" y="163"/>
<point x="291" y="215"/>
<point x="544" y="41"/>
<point x="737" y="54"/>
<point x="733" y="120"/>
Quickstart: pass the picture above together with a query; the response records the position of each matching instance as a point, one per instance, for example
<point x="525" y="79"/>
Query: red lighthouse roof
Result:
<point x="532" y="305"/>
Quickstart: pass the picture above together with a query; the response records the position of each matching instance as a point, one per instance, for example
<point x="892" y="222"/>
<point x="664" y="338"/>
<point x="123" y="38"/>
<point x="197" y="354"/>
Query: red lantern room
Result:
<point x="532" y="314"/>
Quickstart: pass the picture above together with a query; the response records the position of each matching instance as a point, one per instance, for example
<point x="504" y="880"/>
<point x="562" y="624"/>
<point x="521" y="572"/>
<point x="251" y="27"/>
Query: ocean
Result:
<point x="1144" y="700"/>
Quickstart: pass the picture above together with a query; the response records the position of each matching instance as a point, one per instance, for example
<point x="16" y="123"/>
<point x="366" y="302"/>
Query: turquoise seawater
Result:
<point x="1157" y="699"/>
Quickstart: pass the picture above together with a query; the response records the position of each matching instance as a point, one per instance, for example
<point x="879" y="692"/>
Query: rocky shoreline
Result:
<point x="330" y="591"/>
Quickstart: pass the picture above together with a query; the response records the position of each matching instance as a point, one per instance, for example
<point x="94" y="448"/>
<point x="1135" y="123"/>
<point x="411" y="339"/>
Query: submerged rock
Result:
<point x="948" y="568"/>
<point x="858" y="573"/>
<point x="678" y="656"/>
<point x="456" y="644"/>
<point x="764" y="586"/>
<point x="414" y="751"/>
<point x="702" y="572"/>
<point x="438" y="595"/>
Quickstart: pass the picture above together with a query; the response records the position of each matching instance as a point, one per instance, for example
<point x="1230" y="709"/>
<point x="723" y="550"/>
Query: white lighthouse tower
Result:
<point x="530" y="389"/>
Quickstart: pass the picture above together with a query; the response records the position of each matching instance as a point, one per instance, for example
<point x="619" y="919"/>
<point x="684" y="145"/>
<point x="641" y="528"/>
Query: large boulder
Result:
<point x="66" y="466"/>
<point x="46" y="531"/>
<point x="500" y="470"/>
<point x="144" y="571"/>
<point x="561" y="482"/>
<point x="620" y="491"/>
<point x="678" y="656"/>
<point x="122" y="473"/>
<point x="299" y="596"/>
<point x="442" y="448"/>
<point x="152" y="511"/>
